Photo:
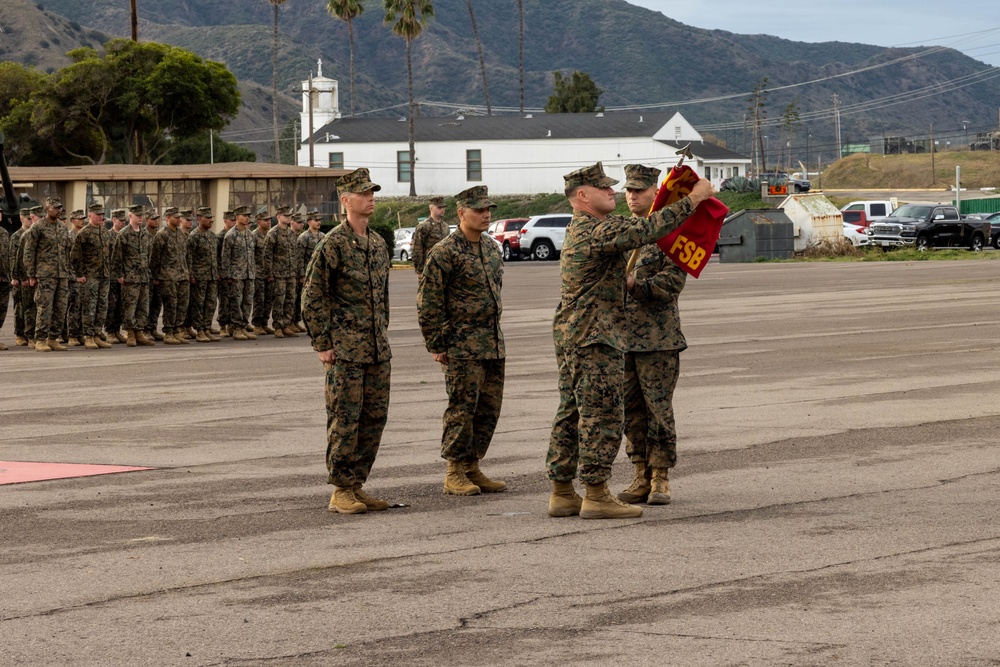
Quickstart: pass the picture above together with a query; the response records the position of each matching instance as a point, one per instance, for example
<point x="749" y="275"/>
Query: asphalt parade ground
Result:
<point x="835" y="501"/>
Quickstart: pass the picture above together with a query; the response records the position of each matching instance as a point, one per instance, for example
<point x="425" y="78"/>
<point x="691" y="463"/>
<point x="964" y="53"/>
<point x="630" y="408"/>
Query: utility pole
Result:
<point x="134" y="20"/>
<point x="312" y="144"/>
<point x="932" y="155"/>
<point x="211" y="146"/>
<point x="836" y="114"/>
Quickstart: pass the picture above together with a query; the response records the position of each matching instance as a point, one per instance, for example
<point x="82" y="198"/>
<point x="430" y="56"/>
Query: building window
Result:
<point x="708" y="173"/>
<point x="473" y="165"/>
<point x="336" y="160"/>
<point x="403" y="166"/>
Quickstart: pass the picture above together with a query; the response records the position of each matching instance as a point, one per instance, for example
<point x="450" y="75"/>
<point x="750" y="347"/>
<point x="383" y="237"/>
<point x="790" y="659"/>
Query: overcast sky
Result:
<point x="879" y="22"/>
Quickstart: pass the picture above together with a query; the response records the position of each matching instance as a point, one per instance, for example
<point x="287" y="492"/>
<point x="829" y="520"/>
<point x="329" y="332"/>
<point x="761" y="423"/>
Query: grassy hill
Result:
<point x="980" y="169"/>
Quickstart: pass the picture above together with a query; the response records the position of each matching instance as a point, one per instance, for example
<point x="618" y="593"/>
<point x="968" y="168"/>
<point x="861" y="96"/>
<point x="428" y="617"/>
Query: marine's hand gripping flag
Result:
<point x="691" y="244"/>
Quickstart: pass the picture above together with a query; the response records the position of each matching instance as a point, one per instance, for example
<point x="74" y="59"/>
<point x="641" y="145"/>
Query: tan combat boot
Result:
<point x="42" y="346"/>
<point x="103" y="344"/>
<point x="21" y="341"/>
<point x="202" y="337"/>
<point x="182" y="338"/>
<point x="170" y="339"/>
<point x="32" y="342"/>
<point x="564" y="501"/>
<point x="157" y="335"/>
<point x="89" y="343"/>
<point x="639" y="490"/>
<point x="3" y="347"/>
<point x="226" y="332"/>
<point x="74" y="341"/>
<point x="344" y="501"/>
<point x="660" y="493"/>
<point x="278" y="333"/>
<point x="267" y="330"/>
<point x="259" y="331"/>
<point x="239" y="334"/>
<point x="456" y="483"/>
<point x="191" y="334"/>
<point x="250" y="335"/>
<point x="56" y="346"/>
<point x="373" y="504"/>
<point x="485" y="484"/>
<point x="120" y="337"/>
<point x="212" y="336"/>
<point x="130" y="338"/>
<point x="142" y="339"/>
<point x="213" y="331"/>
<point x="600" y="504"/>
<point x="290" y="332"/>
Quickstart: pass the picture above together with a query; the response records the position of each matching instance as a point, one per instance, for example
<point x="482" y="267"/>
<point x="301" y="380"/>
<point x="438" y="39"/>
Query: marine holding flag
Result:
<point x="652" y="358"/>
<point x="589" y="335"/>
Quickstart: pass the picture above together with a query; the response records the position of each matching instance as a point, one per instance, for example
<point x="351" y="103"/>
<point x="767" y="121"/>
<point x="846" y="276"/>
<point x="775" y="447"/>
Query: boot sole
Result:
<point x="362" y="510"/>
<point x="631" y="499"/>
<point x="600" y="514"/>
<point x="658" y="499"/>
<point x="451" y="492"/>
<point x="561" y="513"/>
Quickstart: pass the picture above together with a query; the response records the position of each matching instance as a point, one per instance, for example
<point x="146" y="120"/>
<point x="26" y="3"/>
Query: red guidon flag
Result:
<point x="691" y="244"/>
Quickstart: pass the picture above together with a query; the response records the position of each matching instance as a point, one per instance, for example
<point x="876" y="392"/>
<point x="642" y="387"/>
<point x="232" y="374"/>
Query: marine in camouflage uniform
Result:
<point x="152" y="228"/>
<point x="263" y="289"/>
<point x="24" y="294"/>
<point x="113" y="321"/>
<point x="281" y="258"/>
<point x="238" y="271"/>
<point x="345" y="304"/>
<point x="90" y="259"/>
<point x="652" y="360"/>
<point x="72" y="331"/>
<point x="307" y="243"/>
<point x="45" y="262"/>
<point x="5" y="278"/>
<point x="459" y="308"/>
<point x="168" y="266"/>
<point x="228" y="221"/>
<point x="429" y="233"/>
<point x="203" y="262"/>
<point x="589" y="336"/>
<point x="130" y="270"/>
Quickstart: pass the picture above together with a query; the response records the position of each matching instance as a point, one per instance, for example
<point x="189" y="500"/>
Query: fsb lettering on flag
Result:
<point x="691" y="244"/>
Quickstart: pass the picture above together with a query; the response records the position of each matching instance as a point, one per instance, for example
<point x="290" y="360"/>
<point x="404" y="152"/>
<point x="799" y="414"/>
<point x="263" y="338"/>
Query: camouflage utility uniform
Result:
<point x="427" y="234"/>
<point x="263" y="290"/>
<point x="238" y="270"/>
<point x="24" y="295"/>
<point x="46" y="259"/>
<point x="281" y="257"/>
<point x="345" y="305"/>
<point x="589" y="336"/>
<point x="5" y="275"/>
<point x="202" y="249"/>
<point x="459" y="308"/>
<point x="73" y="326"/>
<point x="168" y="266"/>
<point x="91" y="259"/>
<point x="130" y="263"/>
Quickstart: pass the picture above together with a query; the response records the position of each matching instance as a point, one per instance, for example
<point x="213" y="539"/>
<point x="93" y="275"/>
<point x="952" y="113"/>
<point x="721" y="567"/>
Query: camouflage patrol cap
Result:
<point x="228" y="215"/>
<point x="136" y="209"/>
<point x="297" y="217"/>
<point x="640" y="177"/>
<point x="241" y="210"/>
<point x="357" y="181"/>
<point x="78" y="214"/>
<point x="283" y="210"/>
<point x="152" y="214"/>
<point x="36" y="209"/>
<point x="187" y="213"/>
<point x="53" y="202"/>
<point x="119" y="214"/>
<point x="313" y="215"/>
<point x="171" y="212"/>
<point x="436" y="201"/>
<point x="262" y="215"/>
<point x="593" y="175"/>
<point x="476" y="197"/>
<point x="96" y="208"/>
<point x="205" y="212"/>
<point x="62" y="214"/>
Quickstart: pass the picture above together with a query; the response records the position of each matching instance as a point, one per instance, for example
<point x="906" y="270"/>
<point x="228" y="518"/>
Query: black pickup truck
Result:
<point x="928" y="226"/>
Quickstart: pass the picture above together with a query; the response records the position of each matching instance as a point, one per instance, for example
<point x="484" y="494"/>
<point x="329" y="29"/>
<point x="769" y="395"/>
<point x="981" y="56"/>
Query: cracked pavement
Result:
<point x="835" y="499"/>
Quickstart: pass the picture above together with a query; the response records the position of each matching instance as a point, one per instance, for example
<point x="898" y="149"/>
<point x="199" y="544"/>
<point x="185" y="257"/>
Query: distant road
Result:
<point x="923" y="196"/>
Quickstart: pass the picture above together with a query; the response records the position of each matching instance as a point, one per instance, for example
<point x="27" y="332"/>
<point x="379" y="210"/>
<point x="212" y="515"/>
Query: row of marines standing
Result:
<point x="81" y="284"/>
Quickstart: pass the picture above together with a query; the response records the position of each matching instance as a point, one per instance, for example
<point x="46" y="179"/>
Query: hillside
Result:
<point x="980" y="169"/>
<point x="42" y="38"/>
<point x="637" y="56"/>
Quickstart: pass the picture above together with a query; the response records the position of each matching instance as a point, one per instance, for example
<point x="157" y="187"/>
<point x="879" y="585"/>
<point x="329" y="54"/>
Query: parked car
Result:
<point x="994" y="221"/>
<point x="403" y="248"/>
<point x="781" y="177"/>
<point x="871" y="209"/>
<point x="856" y="228"/>
<point x="928" y="226"/>
<point x="506" y="234"/>
<point x="542" y="236"/>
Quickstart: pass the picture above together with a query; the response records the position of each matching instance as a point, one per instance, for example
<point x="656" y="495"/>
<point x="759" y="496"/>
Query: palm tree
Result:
<point x="520" y="48"/>
<point x="482" y="64"/>
<point x="274" y="79"/>
<point x="409" y="18"/>
<point x="347" y="10"/>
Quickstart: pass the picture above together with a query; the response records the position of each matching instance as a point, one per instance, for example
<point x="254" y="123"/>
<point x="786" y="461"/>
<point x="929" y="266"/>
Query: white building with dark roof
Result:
<point x="512" y="154"/>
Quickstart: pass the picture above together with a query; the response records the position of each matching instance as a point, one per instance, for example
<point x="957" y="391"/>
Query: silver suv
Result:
<point x="542" y="236"/>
